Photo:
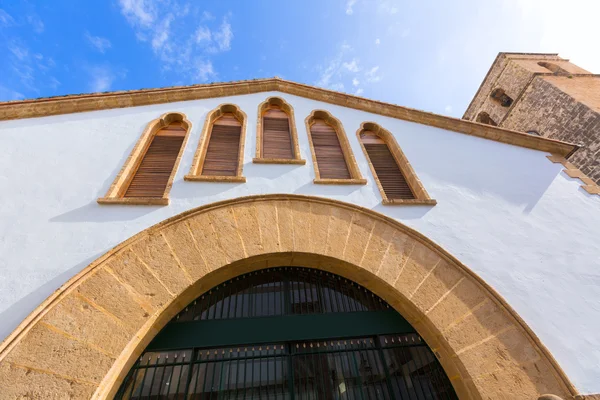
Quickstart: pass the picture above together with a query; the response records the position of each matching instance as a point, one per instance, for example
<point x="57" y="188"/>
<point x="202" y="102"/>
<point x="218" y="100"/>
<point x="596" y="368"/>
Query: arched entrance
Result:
<point x="83" y="340"/>
<point x="287" y="333"/>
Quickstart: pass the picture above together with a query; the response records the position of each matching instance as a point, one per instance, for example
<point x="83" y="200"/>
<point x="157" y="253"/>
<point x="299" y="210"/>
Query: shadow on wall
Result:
<point x="313" y="189"/>
<point x="94" y="212"/>
<point x="269" y="171"/>
<point x="517" y="175"/>
<point x="403" y="212"/>
<point x="18" y="311"/>
<point x="189" y="190"/>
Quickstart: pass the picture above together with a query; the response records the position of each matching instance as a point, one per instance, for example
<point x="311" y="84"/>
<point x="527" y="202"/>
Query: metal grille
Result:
<point x="281" y="291"/>
<point x="365" y="366"/>
<point x="390" y="367"/>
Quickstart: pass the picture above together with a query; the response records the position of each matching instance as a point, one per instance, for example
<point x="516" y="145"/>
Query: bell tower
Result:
<point x="546" y="95"/>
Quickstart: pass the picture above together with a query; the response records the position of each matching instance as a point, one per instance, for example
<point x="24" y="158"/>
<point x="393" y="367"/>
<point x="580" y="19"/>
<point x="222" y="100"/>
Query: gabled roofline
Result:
<point x="103" y="101"/>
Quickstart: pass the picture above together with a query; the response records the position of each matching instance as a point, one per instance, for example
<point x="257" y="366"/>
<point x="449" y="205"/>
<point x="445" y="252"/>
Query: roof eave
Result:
<point x="103" y="101"/>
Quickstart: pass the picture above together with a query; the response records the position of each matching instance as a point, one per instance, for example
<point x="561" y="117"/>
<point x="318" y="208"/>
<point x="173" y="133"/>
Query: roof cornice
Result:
<point x="103" y="101"/>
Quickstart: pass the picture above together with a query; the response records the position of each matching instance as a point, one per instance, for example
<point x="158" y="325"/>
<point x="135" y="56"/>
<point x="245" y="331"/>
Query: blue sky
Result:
<point x="430" y="55"/>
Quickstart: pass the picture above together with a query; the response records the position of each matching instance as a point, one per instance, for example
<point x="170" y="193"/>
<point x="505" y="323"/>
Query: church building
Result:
<point x="266" y="239"/>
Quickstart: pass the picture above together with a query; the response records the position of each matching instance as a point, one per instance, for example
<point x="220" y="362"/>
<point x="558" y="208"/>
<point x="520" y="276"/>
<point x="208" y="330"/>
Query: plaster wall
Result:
<point x="506" y="212"/>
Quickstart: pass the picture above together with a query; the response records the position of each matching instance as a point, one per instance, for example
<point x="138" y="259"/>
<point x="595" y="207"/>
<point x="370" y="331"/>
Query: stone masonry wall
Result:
<point x="546" y="108"/>
<point x="513" y="79"/>
<point x="489" y="83"/>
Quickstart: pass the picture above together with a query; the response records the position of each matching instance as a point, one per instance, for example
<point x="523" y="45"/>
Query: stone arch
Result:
<point x="484" y="118"/>
<point x="83" y="339"/>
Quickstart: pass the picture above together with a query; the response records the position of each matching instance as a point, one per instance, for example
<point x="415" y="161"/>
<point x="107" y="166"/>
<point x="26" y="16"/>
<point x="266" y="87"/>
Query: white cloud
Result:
<point x="206" y="16"/>
<point x="377" y="42"/>
<point x="387" y="7"/>
<point x="339" y="86"/>
<point x="203" y="70"/>
<point x="181" y="51"/>
<point x="349" y="5"/>
<point x="53" y="83"/>
<point x="99" y="43"/>
<point x="161" y="35"/>
<point x="358" y="92"/>
<point x="448" y="109"/>
<point x="203" y="34"/>
<point x="372" y="76"/>
<point x="36" y="23"/>
<point x="351" y="66"/>
<point x="102" y="77"/>
<point x="224" y="36"/>
<point x="355" y="82"/>
<point x="6" y="19"/>
<point x="19" y="51"/>
<point x="7" y="94"/>
<point x="138" y="12"/>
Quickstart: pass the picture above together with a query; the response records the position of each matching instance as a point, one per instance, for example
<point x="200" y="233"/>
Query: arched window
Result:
<point x="501" y="97"/>
<point x="148" y="173"/>
<point x="276" y="137"/>
<point x="395" y="177"/>
<point x="284" y="333"/>
<point x="555" y="69"/>
<point x="485" y="118"/>
<point x="332" y="156"/>
<point x="220" y="154"/>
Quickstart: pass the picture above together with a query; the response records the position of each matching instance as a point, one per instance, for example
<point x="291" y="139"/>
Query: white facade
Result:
<point x="506" y="212"/>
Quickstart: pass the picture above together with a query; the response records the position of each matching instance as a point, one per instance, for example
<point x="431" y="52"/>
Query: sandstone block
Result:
<point x="267" y="223"/>
<point x="301" y="215"/>
<point x="483" y="322"/>
<point x="285" y="223"/>
<point x="46" y="349"/>
<point x="202" y="229"/>
<point x="24" y="383"/>
<point x="466" y="295"/>
<point x="339" y="228"/>
<point x="358" y="238"/>
<point x="225" y="227"/>
<point x="437" y="284"/>
<point x="248" y="228"/>
<point x="105" y="291"/>
<point x="88" y="324"/>
<point x="156" y="254"/>
<point x="128" y="268"/>
<point x="396" y="257"/>
<point x="182" y="243"/>
<point x="507" y="349"/>
<point x="376" y="249"/>
<point x="319" y="227"/>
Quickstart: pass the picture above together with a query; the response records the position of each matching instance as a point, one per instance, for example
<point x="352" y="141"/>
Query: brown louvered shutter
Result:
<point x="389" y="174"/>
<point x="330" y="157"/>
<point x="152" y="175"/>
<point x="276" y="136"/>
<point x="223" y="147"/>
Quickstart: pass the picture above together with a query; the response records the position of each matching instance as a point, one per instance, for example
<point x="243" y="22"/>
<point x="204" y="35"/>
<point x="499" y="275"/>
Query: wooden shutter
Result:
<point x="223" y="147"/>
<point x="152" y="175"/>
<point x="330" y="157"/>
<point x="276" y="135"/>
<point x="389" y="174"/>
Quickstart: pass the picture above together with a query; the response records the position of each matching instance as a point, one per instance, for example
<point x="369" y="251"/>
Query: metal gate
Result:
<point x="287" y="333"/>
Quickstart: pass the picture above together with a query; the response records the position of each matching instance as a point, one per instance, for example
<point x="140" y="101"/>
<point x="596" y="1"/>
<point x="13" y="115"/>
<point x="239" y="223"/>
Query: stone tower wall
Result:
<point x="563" y="106"/>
